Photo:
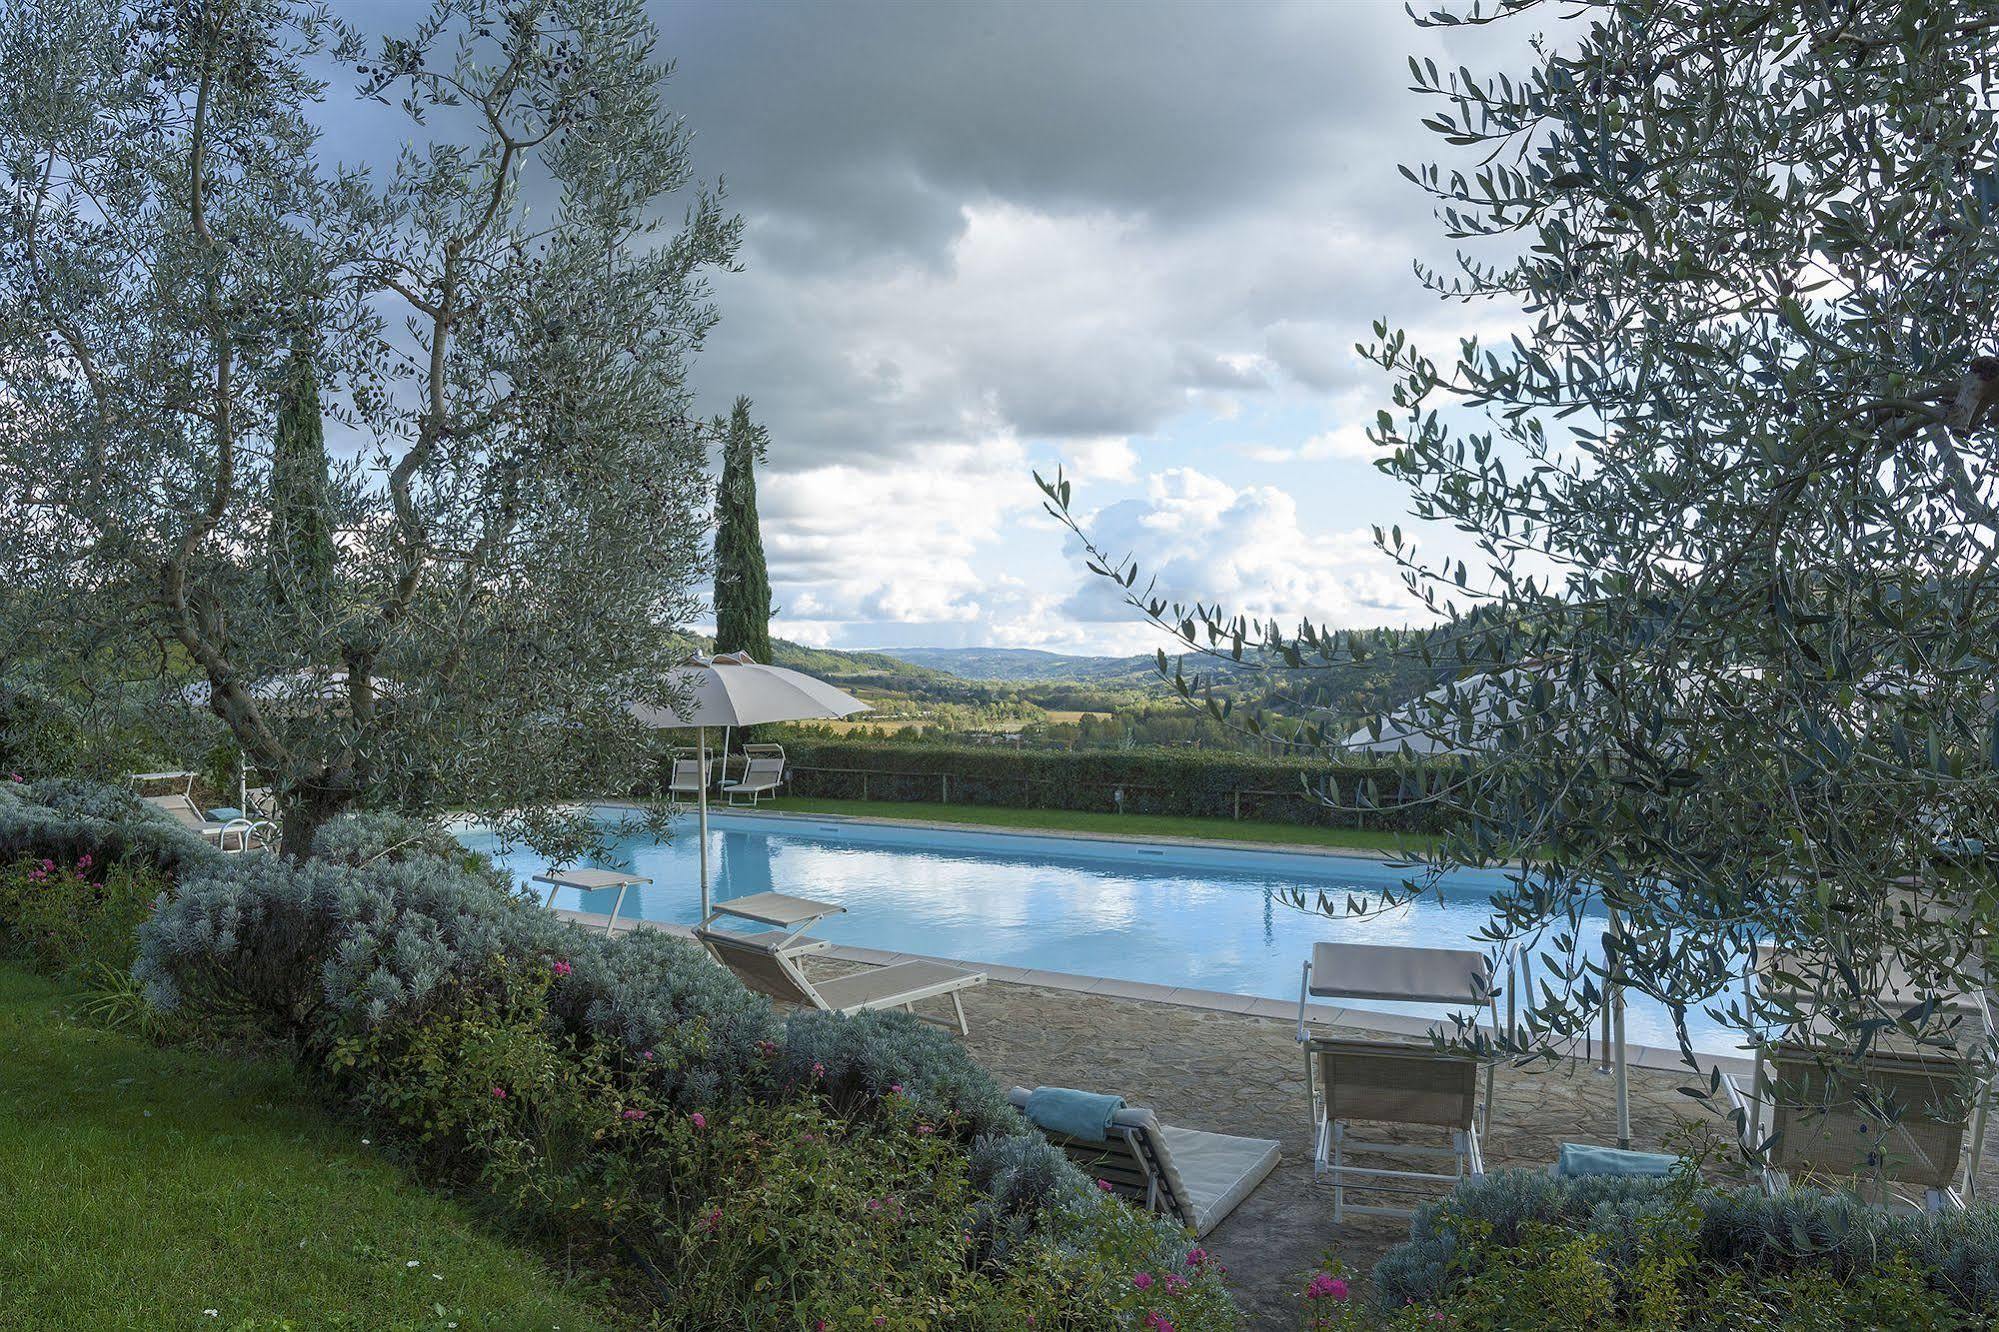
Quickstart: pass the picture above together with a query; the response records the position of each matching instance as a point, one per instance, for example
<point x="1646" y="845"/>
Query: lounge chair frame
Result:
<point x="1133" y="1159"/>
<point x="248" y="833"/>
<point x="1354" y="1078"/>
<point x="763" y="773"/>
<point x="772" y="969"/>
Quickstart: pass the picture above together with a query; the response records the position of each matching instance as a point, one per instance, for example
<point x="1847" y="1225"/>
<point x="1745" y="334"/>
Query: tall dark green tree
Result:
<point x="301" y="542"/>
<point x="742" y="583"/>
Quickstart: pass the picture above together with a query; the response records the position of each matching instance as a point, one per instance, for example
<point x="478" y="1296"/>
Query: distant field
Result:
<point x="1072" y="717"/>
<point x="894" y="723"/>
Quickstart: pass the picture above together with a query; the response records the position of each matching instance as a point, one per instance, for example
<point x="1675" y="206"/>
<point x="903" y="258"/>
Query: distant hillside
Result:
<point x="1025" y="665"/>
<point x="863" y="669"/>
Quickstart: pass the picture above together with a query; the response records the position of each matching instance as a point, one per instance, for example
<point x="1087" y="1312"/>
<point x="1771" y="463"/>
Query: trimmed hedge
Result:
<point x="1194" y="783"/>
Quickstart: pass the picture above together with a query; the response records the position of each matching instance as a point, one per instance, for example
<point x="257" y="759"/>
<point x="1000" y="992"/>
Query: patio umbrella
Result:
<point x="736" y="690"/>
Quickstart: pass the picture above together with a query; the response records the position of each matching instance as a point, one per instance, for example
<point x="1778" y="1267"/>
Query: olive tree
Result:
<point x="497" y="323"/>
<point x="1726" y="661"/>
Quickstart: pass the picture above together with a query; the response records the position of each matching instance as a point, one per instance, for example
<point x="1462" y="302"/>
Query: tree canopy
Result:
<point x="1726" y="661"/>
<point x="498" y="323"/>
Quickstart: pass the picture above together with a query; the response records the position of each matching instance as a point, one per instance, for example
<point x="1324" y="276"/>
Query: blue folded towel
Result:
<point x="225" y="813"/>
<point x="1580" y="1158"/>
<point x="1080" y="1114"/>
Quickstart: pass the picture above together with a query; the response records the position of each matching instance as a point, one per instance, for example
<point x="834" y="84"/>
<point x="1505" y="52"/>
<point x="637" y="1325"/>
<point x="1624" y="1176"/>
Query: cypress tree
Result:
<point x="742" y="583"/>
<point x="301" y="536"/>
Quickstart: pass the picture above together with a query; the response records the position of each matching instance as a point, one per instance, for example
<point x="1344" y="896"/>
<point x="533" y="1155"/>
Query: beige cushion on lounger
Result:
<point x="1202" y="1176"/>
<point x="900" y="980"/>
<point x="1217" y="1171"/>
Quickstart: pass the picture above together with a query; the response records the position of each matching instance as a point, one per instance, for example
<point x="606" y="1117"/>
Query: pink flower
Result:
<point x="1142" y="1280"/>
<point x="895" y="1087"/>
<point x="562" y="968"/>
<point x="83" y="863"/>
<point x="924" y="1130"/>
<point x="13" y="776"/>
<point x="1105" y="1185"/>
<point x="698" y="1119"/>
<point x="646" y="1055"/>
<point x="48" y="867"/>
<point x="1195" y="1257"/>
<point x="634" y="1114"/>
<point x="1159" y="1322"/>
<point x="713" y="1219"/>
<point x="1326" y="1286"/>
<point x="499" y="1093"/>
<point x="818" y="1070"/>
<point x="874" y="1204"/>
<point x="1175" y="1283"/>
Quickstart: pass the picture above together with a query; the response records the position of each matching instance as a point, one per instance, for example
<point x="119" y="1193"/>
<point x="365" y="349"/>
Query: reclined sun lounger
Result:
<point x="1354" y="1078"/>
<point x="763" y="773"/>
<point x="1197" y="1178"/>
<point x="239" y="834"/>
<point x="768" y="964"/>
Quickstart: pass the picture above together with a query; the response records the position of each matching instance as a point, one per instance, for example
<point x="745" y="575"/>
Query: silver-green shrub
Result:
<point x="1734" y="1228"/>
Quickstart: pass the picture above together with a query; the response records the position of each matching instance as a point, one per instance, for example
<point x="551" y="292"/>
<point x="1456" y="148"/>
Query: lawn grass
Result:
<point x="1130" y="825"/>
<point x="143" y="1187"/>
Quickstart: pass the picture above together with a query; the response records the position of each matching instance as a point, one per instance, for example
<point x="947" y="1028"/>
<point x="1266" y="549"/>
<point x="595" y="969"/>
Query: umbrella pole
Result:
<point x="701" y="757"/>
<point x="1616" y="997"/>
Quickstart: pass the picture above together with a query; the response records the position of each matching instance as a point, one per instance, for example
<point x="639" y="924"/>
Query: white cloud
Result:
<point x="1247" y="548"/>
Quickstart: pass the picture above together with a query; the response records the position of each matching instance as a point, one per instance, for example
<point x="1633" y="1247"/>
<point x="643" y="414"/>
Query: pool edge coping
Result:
<point x="1053" y="834"/>
<point x="1650" y="1058"/>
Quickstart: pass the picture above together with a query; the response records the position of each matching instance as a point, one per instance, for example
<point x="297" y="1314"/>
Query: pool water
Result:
<point x="1209" y="918"/>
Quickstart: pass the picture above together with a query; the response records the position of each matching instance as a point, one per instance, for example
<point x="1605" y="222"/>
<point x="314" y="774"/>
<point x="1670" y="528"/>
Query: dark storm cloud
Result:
<point x="865" y="125"/>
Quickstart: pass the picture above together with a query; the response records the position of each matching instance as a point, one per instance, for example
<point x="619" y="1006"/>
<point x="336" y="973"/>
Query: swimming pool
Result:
<point x="1211" y="918"/>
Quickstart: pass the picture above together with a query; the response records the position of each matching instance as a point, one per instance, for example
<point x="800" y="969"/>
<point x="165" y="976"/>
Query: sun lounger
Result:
<point x="687" y="778"/>
<point x="1350" y="1079"/>
<point x="1809" y="1109"/>
<point x="767" y="963"/>
<point x="763" y="773"/>
<point x="238" y="834"/>
<point x="1196" y="1177"/>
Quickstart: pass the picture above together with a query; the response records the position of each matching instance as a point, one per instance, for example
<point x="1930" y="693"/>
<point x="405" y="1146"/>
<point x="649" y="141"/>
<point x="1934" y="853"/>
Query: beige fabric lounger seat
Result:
<point x="771" y="968"/>
<point x="763" y="773"/>
<point x="1352" y="1079"/>
<point x="229" y="835"/>
<point x="1196" y="1177"/>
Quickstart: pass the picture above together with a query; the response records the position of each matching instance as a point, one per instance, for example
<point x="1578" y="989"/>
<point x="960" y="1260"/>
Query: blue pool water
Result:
<point x="1209" y="918"/>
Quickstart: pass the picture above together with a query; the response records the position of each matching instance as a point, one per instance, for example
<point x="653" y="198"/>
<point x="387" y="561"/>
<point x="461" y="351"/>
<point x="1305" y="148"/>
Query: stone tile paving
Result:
<point x="1244" y="1075"/>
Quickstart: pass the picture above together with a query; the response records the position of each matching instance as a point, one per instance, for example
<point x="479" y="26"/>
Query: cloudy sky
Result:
<point x="1135" y="240"/>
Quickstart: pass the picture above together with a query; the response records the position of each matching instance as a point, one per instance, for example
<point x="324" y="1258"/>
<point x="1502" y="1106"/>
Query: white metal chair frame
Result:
<point x="1331" y="1142"/>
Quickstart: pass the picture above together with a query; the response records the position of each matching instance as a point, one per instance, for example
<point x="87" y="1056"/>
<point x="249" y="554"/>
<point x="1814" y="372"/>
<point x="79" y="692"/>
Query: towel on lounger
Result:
<point x="1080" y="1114"/>
<point x="225" y="814"/>
<point x="1580" y="1158"/>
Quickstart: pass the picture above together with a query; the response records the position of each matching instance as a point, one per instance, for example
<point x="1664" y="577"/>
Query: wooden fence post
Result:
<point x="1238" y="804"/>
<point x="945" y="779"/>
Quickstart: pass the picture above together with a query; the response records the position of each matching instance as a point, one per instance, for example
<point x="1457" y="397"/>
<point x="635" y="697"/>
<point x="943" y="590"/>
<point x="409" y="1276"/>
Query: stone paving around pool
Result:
<point x="1241" y="1072"/>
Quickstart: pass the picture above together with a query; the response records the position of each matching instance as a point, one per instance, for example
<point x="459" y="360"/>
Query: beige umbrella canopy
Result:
<point x="734" y="689"/>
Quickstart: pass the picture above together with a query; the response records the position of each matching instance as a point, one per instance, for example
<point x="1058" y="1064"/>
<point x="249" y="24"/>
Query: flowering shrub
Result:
<point x="623" y="1095"/>
<point x="70" y="917"/>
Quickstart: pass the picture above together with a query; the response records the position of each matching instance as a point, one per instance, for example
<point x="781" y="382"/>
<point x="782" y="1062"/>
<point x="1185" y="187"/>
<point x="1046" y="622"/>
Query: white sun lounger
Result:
<point x="1196" y="1177"/>
<point x="1351" y="1078"/>
<point x="244" y="833"/>
<point x="763" y="773"/>
<point x="592" y="881"/>
<point x="768" y="964"/>
<point x="1820" y="1126"/>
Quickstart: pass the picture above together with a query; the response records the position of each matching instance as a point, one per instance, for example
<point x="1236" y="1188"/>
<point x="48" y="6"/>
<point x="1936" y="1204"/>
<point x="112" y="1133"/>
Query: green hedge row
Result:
<point x="1159" y="781"/>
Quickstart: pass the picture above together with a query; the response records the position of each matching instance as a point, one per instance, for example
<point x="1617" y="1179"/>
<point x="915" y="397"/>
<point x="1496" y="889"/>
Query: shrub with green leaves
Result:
<point x="1486" y="1228"/>
<point x="73" y="918"/>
